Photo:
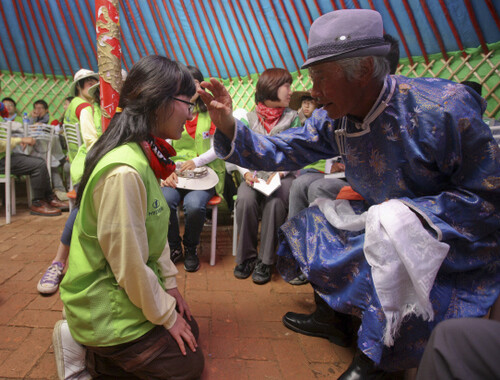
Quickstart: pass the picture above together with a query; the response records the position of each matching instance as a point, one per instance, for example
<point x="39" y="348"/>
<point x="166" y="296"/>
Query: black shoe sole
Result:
<point x="191" y="269"/>
<point x="241" y="276"/>
<point x="261" y="282"/>
<point x="332" y="338"/>
<point x="40" y="214"/>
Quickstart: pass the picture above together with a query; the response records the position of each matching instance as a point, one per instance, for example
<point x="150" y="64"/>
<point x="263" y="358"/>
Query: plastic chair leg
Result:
<point x="13" y="197"/>
<point x="8" y="200"/>
<point x="213" y="242"/>
<point x="28" y="189"/>
<point x="235" y="232"/>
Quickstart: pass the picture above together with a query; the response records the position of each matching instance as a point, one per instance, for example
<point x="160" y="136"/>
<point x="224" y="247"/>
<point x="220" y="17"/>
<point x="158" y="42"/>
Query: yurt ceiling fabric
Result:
<point x="225" y="38"/>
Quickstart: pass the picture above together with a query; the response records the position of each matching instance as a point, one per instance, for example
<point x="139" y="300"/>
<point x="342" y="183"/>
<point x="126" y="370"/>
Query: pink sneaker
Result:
<point x="49" y="282"/>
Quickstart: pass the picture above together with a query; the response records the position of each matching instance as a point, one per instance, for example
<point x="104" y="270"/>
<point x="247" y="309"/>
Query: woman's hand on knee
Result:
<point x="181" y="303"/>
<point x="170" y="181"/>
<point x="181" y="332"/>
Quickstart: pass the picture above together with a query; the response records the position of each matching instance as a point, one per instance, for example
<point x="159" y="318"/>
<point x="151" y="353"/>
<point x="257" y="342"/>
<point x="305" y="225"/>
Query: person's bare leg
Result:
<point x="62" y="253"/>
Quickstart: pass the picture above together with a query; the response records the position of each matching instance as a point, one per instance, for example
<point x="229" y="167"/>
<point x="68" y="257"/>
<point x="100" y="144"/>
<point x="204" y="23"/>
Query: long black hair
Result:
<point x="150" y="85"/>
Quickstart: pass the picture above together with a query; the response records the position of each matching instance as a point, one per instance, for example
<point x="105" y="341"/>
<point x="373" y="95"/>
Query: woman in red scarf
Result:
<point x="270" y="117"/>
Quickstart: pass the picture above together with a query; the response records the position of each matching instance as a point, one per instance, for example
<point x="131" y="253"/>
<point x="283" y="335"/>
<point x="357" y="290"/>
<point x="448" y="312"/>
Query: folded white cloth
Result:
<point x="340" y="214"/>
<point x="403" y="256"/>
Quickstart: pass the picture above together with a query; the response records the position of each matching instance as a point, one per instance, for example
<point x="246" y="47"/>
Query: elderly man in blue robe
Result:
<point x="424" y="245"/>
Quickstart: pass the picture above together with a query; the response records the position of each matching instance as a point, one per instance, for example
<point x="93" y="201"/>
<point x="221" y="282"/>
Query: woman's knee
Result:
<point x="300" y="185"/>
<point x="172" y="197"/>
<point x="246" y="198"/>
<point x="194" y="207"/>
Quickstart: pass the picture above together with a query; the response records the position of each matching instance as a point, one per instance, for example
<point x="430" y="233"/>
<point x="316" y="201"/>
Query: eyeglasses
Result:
<point x="191" y="105"/>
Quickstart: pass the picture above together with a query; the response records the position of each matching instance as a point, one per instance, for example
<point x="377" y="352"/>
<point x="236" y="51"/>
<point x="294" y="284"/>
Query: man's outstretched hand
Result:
<point x="219" y="105"/>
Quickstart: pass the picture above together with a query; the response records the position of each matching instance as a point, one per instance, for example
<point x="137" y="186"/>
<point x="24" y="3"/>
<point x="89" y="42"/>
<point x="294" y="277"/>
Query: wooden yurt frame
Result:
<point x="473" y="64"/>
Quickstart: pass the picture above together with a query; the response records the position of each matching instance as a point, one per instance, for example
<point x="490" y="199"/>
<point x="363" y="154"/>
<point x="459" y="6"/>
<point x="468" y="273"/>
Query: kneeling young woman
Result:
<point x="120" y="292"/>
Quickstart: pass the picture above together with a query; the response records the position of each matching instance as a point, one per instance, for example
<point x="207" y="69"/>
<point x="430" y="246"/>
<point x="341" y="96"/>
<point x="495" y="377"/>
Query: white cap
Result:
<point x="79" y="75"/>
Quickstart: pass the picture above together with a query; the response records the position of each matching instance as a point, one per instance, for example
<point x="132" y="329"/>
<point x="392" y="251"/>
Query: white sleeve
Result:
<point x="206" y="157"/>
<point x="87" y="127"/>
<point x="122" y="235"/>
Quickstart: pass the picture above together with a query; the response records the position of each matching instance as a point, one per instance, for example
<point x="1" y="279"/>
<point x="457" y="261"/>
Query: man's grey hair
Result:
<point x="352" y="67"/>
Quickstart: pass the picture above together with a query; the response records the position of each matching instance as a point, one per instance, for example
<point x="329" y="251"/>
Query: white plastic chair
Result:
<point x="8" y="178"/>
<point x="235" y="228"/>
<point x="43" y="134"/>
<point x="72" y="137"/>
<point x="213" y="203"/>
<point x="10" y="188"/>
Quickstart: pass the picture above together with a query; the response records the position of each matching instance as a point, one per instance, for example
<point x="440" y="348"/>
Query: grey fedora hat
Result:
<point x="346" y="33"/>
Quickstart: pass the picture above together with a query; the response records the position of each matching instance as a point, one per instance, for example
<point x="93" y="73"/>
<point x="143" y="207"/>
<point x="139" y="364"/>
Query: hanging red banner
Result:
<point x="109" y="55"/>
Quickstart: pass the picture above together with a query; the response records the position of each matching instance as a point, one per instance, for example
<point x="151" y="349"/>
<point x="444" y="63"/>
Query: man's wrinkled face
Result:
<point x="331" y="88"/>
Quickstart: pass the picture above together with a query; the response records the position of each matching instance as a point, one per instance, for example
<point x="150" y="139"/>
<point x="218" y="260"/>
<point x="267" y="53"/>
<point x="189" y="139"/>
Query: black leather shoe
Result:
<point x="337" y="332"/>
<point x="362" y="368"/>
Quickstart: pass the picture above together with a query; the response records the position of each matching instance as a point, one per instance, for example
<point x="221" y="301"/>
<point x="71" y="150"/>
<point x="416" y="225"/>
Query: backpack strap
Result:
<point x="79" y="109"/>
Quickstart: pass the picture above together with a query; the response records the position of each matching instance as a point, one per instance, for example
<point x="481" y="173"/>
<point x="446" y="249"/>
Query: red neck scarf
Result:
<point x="192" y="124"/>
<point x="268" y="116"/>
<point x="158" y="152"/>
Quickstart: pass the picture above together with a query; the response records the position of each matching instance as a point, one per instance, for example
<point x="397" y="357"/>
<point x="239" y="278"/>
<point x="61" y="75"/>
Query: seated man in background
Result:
<point x="14" y="114"/>
<point x="414" y="149"/>
<point x="44" y="202"/>
<point x="40" y="113"/>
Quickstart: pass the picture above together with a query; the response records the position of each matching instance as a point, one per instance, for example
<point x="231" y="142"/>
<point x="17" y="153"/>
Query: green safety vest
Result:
<point x="78" y="163"/>
<point x="188" y="148"/>
<point x="18" y="118"/>
<point x="318" y="165"/>
<point x="70" y="117"/>
<point x="98" y="310"/>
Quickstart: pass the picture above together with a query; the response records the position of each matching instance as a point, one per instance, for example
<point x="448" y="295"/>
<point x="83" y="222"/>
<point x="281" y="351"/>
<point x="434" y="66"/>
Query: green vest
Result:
<point x="318" y="165"/>
<point x="78" y="163"/>
<point x="18" y="118"/>
<point x="71" y="118"/>
<point x="98" y="310"/>
<point x="188" y="148"/>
